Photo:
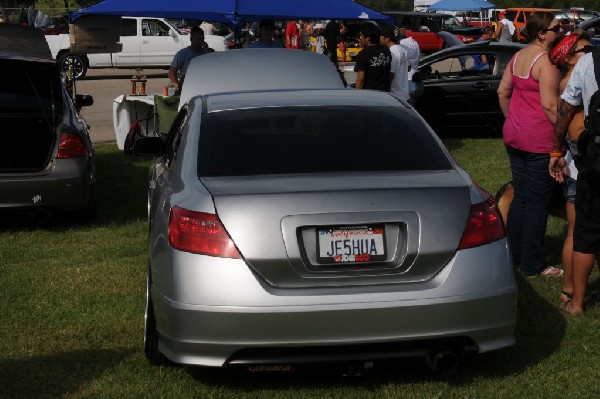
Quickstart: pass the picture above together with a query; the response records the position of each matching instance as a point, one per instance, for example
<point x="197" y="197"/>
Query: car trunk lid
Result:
<point x="281" y="223"/>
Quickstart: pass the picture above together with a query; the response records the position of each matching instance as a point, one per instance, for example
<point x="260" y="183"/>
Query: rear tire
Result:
<point x="154" y="356"/>
<point x="79" y="64"/>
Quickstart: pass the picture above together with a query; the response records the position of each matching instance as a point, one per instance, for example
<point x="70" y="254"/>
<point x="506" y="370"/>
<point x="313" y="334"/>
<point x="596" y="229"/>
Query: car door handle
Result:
<point x="481" y="85"/>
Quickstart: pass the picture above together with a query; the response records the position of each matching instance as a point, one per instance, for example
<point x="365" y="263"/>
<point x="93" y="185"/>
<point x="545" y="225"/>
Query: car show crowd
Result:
<point x="278" y="190"/>
<point x="544" y="94"/>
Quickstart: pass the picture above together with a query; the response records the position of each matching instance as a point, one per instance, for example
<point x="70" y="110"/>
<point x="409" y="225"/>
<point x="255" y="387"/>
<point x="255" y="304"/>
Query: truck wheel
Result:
<point x="74" y="61"/>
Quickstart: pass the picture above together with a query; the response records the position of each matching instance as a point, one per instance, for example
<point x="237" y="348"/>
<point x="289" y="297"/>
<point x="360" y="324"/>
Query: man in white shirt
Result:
<point x="413" y="53"/>
<point x="505" y="33"/>
<point x="399" y="68"/>
<point x="208" y="28"/>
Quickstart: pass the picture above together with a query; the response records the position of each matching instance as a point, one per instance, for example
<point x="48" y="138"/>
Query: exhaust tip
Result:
<point x="445" y="362"/>
<point x="39" y="216"/>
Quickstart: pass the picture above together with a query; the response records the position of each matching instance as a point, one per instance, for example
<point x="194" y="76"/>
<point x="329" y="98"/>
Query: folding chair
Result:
<point x="165" y="111"/>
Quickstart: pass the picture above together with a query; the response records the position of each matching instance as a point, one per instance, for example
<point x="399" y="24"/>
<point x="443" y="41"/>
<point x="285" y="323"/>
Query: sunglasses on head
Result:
<point x="588" y="48"/>
<point x="556" y="28"/>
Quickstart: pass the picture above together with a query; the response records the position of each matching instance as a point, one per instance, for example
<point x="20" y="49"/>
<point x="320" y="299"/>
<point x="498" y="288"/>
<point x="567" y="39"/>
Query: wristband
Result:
<point x="557" y="154"/>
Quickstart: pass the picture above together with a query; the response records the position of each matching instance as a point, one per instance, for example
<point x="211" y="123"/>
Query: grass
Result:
<point x="72" y="304"/>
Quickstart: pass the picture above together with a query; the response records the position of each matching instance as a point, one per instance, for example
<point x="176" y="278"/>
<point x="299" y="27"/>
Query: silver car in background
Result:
<point x="294" y="221"/>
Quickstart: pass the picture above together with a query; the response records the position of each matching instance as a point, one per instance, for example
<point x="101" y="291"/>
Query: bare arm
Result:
<point x="549" y="78"/>
<point x="557" y="166"/>
<point x="576" y="126"/>
<point x="360" y="80"/>
<point x="173" y="77"/>
<point x="505" y="90"/>
<point x="498" y="30"/>
<point x="566" y="112"/>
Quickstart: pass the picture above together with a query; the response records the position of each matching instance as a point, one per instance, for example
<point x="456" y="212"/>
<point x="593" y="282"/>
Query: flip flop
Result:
<point x="551" y="271"/>
<point x="566" y="294"/>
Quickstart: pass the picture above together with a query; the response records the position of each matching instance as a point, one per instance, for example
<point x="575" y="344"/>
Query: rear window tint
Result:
<point x="286" y="140"/>
<point x="29" y="87"/>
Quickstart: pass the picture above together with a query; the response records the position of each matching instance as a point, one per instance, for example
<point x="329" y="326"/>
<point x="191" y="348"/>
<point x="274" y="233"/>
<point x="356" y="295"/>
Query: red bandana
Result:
<point x="559" y="53"/>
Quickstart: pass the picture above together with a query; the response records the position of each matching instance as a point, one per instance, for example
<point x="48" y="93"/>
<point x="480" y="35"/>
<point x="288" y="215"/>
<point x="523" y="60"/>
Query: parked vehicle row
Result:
<point x="146" y="43"/>
<point x="326" y="225"/>
<point x="575" y="17"/>
<point x="424" y="26"/>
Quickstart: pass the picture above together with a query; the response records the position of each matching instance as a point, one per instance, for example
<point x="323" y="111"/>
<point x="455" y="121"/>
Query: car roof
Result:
<point x="23" y="42"/>
<point x="258" y="70"/>
<point x="588" y="23"/>
<point x="472" y="48"/>
<point x="298" y="98"/>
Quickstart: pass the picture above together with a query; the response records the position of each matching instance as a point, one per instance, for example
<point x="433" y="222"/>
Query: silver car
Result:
<point x="315" y="224"/>
<point x="46" y="154"/>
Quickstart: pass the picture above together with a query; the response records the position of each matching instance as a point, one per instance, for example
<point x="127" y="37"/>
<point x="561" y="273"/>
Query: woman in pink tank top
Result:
<point x="528" y="96"/>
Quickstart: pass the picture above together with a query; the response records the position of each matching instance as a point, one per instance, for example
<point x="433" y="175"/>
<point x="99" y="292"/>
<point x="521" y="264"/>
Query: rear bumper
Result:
<point x="217" y="312"/>
<point x="220" y="336"/>
<point x="67" y="185"/>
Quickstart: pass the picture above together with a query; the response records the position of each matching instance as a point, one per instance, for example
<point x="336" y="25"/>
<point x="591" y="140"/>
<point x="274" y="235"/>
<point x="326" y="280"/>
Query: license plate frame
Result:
<point x="350" y="244"/>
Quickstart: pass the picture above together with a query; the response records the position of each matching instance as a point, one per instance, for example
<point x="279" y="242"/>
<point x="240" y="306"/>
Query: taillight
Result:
<point x="72" y="145"/>
<point x="200" y="233"/>
<point x="484" y="225"/>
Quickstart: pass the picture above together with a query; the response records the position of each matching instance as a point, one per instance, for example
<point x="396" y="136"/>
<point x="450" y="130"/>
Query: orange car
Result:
<point x="519" y="17"/>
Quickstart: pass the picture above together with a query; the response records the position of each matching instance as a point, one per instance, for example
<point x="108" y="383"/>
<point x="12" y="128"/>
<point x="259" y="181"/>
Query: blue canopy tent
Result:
<point x="234" y="12"/>
<point x="461" y="5"/>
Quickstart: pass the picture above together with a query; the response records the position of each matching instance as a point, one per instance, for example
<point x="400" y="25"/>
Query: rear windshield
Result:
<point x="29" y="87"/>
<point x="286" y="140"/>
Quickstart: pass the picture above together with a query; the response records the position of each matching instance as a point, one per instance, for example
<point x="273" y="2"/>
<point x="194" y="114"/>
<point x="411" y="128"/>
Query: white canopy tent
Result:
<point x="423" y="5"/>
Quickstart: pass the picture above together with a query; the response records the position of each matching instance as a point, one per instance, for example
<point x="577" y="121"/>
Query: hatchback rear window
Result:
<point x="29" y="87"/>
<point x="286" y="140"/>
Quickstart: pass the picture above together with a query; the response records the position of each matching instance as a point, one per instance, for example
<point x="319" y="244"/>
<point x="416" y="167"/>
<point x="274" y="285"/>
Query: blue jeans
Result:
<point x="528" y="213"/>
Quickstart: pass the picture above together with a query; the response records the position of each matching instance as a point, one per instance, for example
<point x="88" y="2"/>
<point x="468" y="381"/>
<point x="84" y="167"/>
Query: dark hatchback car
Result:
<point x="593" y="27"/>
<point x="459" y="99"/>
<point x="46" y="155"/>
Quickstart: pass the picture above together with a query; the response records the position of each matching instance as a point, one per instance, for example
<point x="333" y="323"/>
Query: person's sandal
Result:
<point x="552" y="271"/>
<point x="566" y="296"/>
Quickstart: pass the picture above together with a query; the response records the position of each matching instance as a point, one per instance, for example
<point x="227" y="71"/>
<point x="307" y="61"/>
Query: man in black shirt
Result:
<point x="332" y="34"/>
<point x="374" y="62"/>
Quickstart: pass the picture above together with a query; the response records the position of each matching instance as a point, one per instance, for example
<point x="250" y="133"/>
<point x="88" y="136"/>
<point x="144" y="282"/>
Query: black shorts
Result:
<point x="586" y="235"/>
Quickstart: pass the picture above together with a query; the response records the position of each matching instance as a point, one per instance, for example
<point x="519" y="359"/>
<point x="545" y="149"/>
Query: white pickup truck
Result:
<point x="147" y="43"/>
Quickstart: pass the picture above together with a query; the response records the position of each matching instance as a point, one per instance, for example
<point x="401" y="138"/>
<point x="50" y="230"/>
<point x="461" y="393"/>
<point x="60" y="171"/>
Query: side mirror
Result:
<point x="425" y="71"/>
<point x="83" y="100"/>
<point x="149" y="146"/>
<point x="172" y="33"/>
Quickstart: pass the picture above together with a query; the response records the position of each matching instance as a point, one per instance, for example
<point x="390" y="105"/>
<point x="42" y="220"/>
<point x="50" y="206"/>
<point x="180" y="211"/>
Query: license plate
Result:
<point x="351" y="244"/>
<point x="352" y="53"/>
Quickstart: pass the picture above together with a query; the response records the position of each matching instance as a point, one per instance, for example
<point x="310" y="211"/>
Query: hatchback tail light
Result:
<point x="484" y="225"/>
<point x="72" y="145"/>
<point x="200" y="233"/>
